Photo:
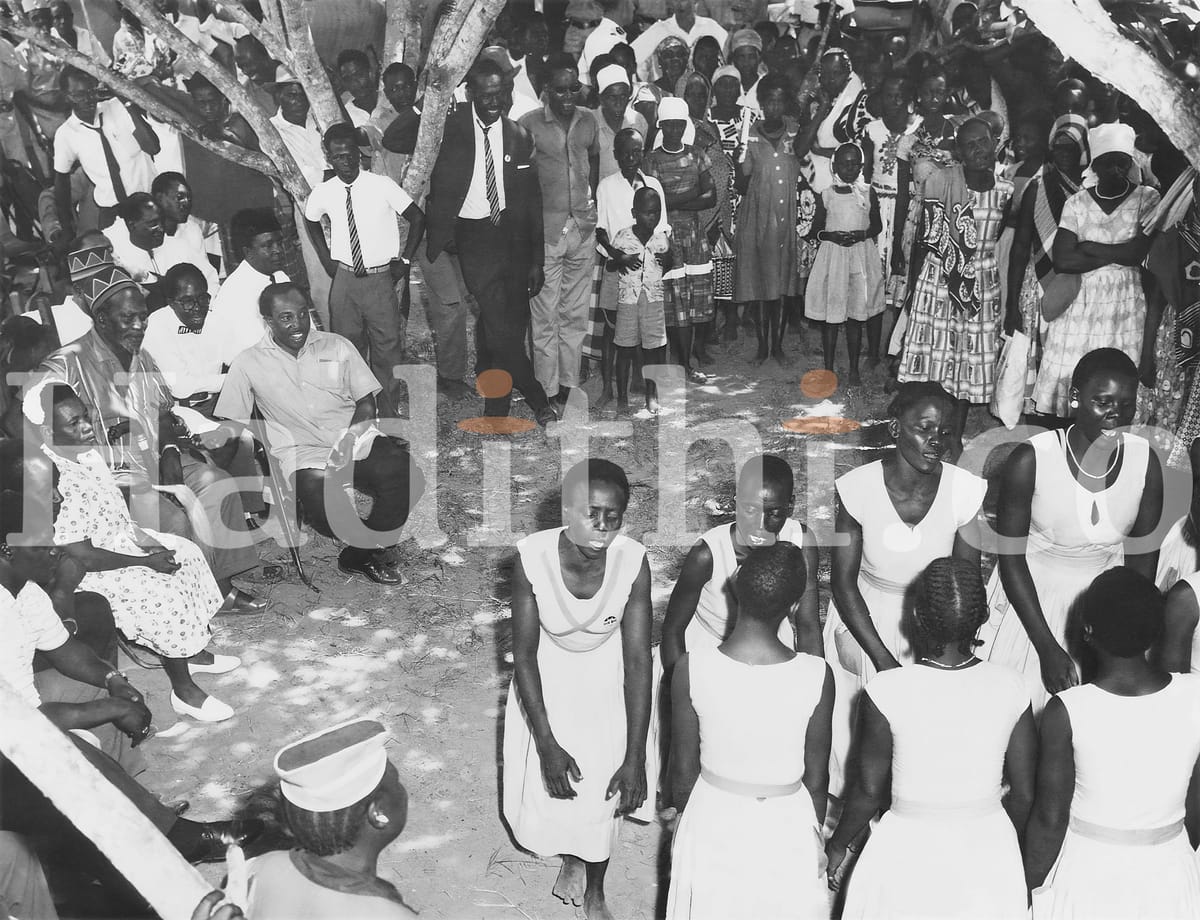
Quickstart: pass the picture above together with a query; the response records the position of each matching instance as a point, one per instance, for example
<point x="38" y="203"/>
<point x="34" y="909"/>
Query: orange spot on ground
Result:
<point x="822" y="424"/>
<point x="497" y="424"/>
<point x="818" y="384"/>
<point x="493" y="384"/>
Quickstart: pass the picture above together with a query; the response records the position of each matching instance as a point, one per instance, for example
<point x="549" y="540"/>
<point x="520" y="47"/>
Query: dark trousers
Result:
<point x="495" y="268"/>
<point x="387" y="474"/>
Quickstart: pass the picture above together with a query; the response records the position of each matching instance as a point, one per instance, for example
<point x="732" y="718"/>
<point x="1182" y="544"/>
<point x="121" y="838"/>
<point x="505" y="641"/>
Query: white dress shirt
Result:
<point x="304" y="142"/>
<point x="143" y="265"/>
<point x="76" y="142"/>
<point x="234" y="311"/>
<point x="72" y="323"/>
<point x="378" y="204"/>
<point x="614" y="203"/>
<point x="29" y="624"/>
<point x="190" y="361"/>
<point x="187" y="244"/>
<point x="476" y="205"/>
<point x="88" y="45"/>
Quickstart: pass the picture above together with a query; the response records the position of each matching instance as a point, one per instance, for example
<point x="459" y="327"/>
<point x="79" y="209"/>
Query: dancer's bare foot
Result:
<point x="594" y="907"/>
<point x="780" y="358"/>
<point x="855" y="379"/>
<point x="762" y="354"/>
<point x="571" y="881"/>
<point x="652" y="404"/>
<point x="606" y="396"/>
<point x="702" y="357"/>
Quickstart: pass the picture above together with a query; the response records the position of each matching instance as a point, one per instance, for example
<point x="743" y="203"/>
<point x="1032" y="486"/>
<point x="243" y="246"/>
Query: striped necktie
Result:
<point x="360" y="267"/>
<point x="493" y="194"/>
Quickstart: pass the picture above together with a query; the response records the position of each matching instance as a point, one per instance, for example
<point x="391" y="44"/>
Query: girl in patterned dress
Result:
<point x="575" y="726"/>
<point x="160" y="588"/>
<point x="728" y="118"/>
<point x="881" y="163"/>
<point x="953" y="332"/>
<point x="685" y="172"/>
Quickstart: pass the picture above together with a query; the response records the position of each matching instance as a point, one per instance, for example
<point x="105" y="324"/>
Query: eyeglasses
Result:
<point x="191" y="303"/>
<point x="567" y="90"/>
<point x="584" y="23"/>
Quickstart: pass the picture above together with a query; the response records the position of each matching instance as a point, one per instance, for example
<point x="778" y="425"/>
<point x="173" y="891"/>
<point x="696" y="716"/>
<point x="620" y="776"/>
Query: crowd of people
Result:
<point x="609" y="176"/>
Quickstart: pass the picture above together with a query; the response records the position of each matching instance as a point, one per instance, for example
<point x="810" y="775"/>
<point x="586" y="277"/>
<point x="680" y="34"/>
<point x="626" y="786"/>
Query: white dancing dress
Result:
<point x="1126" y="854"/>
<point x="1176" y="559"/>
<point x="945" y="847"/>
<point x="893" y="555"/>
<point x="582" y="668"/>
<point x="748" y="846"/>
<point x="716" y="607"/>
<point x="1074" y="535"/>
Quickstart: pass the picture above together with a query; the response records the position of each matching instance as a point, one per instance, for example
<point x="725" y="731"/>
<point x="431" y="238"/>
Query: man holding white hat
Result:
<point x="344" y="804"/>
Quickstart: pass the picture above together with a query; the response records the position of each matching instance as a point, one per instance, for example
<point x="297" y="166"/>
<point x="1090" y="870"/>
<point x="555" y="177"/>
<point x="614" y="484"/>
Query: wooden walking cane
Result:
<point x="123" y="834"/>
<point x="283" y="498"/>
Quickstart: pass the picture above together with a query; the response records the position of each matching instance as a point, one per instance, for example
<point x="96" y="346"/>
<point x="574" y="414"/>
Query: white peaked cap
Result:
<point x="335" y="767"/>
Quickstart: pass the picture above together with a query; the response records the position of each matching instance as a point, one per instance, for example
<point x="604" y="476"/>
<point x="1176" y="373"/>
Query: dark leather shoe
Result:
<point x="546" y="416"/>
<point x="373" y="567"/>
<point x="216" y="836"/>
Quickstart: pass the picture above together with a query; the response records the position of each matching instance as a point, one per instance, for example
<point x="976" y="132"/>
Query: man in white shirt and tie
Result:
<point x="363" y="255"/>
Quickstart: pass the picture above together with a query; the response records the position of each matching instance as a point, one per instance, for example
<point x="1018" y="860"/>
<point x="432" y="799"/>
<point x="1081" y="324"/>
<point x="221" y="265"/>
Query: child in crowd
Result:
<point x="703" y="606"/>
<point x="765" y="246"/>
<point x="641" y="320"/>
<point x="846" y="284"/>
<point x="881" y="164"/>
<point x="750" y="760"/>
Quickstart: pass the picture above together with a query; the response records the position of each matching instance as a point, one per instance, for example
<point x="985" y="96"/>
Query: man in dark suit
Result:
<point x="485" y="204"/>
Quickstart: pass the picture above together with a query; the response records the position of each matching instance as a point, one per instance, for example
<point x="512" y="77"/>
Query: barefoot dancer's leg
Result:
<point x="594" y="907"/>
<point x="761" y="332"/>
<point x="570" y="884"/>
<point x="654" y="356"/>
<point x="731" y="321"/>
<point x="854" y="349"/>
<point x="687" y="335"/>
<point x="624" y="360"/>
<point x="701" y="341"/>
<point x="773" y="310"/>
<point x="829" y="337"/>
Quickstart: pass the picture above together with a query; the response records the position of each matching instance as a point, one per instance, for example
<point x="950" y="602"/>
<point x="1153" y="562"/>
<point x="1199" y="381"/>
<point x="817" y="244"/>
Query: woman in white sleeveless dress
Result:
<point x="703" y="606"/>
<point x="1179" y="648"/>
<point x="950" y="729"/>
<point x="898" y="514"/>
<point x="1113" y="830"/>
<point x="1179" y="554"/>
<point x="749" y="761"/>
<point x="1069" y="503"/>
<point x="579" y="705"/>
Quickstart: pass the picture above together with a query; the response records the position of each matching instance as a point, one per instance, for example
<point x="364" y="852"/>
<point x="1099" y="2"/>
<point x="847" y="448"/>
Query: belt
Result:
<point x="908" y="808"/>
<point x="758" y="791"/>
<point x="882" y="584"/>
<point x="377" y="270"/>
<point x="1138" y="837"/>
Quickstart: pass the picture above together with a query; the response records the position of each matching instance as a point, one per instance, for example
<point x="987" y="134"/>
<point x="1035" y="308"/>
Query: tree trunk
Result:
<point x="1082" y="30"/>
<point x="456" y="41"/>
<point x="123" y="834"/>
<point x="307" y="66"/>
<point x="194" y="57"/>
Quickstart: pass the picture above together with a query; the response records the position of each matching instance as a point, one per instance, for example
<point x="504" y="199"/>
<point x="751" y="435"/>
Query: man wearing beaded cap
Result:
<point x="130" y="405"/>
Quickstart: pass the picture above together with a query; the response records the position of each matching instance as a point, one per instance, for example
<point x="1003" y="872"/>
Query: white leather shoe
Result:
<point x="221" y="664"/>
<point x="213" y="709"/>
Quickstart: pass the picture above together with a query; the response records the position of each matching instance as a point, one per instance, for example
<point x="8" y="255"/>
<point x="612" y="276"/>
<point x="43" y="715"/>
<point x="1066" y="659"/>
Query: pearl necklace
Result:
<point x="1121" y="194"/>
<point x="1079" y="466"/>
<point x="948" y="667"/>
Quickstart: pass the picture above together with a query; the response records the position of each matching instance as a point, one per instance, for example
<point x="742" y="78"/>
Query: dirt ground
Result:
<point x="431" y="658"/>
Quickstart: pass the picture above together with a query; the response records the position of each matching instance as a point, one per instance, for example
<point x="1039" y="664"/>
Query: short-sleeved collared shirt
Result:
<point x="29" y="624"/>
<point x="76" y="142"/>
<point x="307" y="399"/>
<point x="562" y="158"/>
<point x="234" y="309"/>
<point x="614" y="199"/>
<point x="304" y="144"/>
<point x="111" y="394"/>
<point x="190" y="361"/>
<point x="378" y="204"/>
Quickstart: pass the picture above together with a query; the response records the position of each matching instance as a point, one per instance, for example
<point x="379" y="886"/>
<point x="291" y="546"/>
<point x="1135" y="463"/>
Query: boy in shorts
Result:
<point x="641" y="320"/>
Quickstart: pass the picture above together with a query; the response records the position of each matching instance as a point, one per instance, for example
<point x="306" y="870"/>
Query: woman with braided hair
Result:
<point x="1113" y="829"/>
<point x="939" y="740"/>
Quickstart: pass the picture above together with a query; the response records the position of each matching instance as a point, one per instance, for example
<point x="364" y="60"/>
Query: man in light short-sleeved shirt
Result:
<point x="317" y="396"/>
<point x="363" y="254"/>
